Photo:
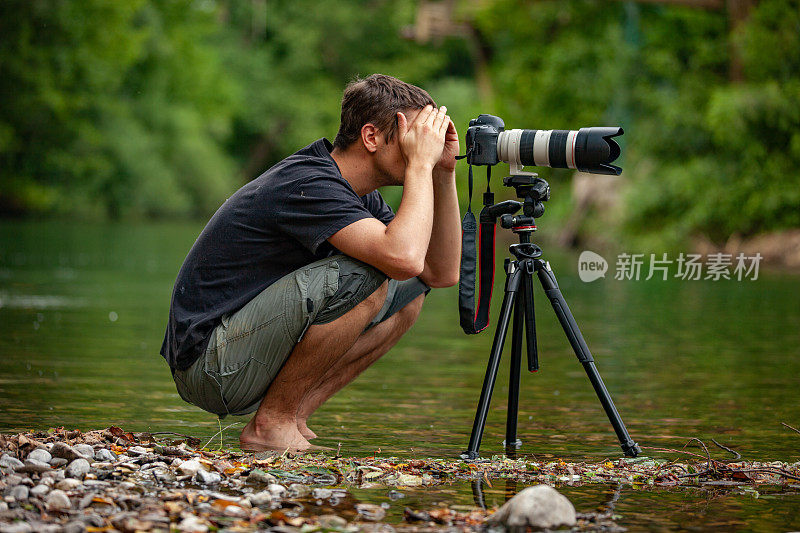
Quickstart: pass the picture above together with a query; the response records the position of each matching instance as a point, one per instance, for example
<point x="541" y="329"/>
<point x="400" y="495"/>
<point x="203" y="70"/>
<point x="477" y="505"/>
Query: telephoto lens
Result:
<point x="588" y="149"/>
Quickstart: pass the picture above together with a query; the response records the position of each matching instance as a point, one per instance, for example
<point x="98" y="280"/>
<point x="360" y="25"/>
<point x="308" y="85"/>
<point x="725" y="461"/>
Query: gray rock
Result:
<point x="298" y="490"/>
<point x="32" y="466"/>
<point x="190" y="467"/>
<point x="16" y="527"/>
<point x="85" y="450"/>
<point x="277" y="491"/>
<point x="58" y="501"/>
<point x="58" y="462"/>
<point x="321" y="494"/>
<point x="260" y="498"/>
<point x="75" y="527"/>
<point x="105" y="455"/>
<point x="370" y="511"/>
<point x="540" y="507"/>
<point x="331" y="521"/>
<point x="19" y="493"/>
<point x="137" y="450"/>
<point x="78" y="468"/>
<point x="3" y="507"/>
<point x="12" y="479"/>
<point x="9" y="462"/>
<point x="40" y="490"/>
<point x="68" y="484"/>
<point x="207" y="478"/>
<point x="194" y="524"/>
<point x="258" y="476"/>
<point x="40" y="454"/>
<point x="64" y="451"/>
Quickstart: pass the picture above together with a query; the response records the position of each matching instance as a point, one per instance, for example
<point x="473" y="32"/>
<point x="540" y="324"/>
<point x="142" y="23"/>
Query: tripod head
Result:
<point x="533" y="189"/>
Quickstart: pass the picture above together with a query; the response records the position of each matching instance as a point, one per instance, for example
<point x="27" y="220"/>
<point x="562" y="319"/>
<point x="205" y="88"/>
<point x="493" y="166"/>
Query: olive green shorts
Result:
<point x="246" y="351"/>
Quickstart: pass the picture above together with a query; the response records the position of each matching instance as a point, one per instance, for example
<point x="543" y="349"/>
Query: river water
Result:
<point x="83" y="309"/>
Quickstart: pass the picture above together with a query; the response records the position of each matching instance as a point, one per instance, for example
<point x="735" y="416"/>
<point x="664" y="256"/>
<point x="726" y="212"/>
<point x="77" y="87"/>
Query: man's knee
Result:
<point x="408" y="314"/>
<point x="374" y="302"/>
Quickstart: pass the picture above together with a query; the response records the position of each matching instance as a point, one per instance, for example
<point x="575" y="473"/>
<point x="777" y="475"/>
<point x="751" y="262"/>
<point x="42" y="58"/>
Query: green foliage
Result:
<point x="164" y="107"/>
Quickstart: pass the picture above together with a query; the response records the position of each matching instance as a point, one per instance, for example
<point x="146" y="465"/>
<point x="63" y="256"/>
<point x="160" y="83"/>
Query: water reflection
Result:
<point x="83" y="307"/>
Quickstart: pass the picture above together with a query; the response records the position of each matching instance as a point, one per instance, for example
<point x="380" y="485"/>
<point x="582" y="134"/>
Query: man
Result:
<point x="304" y="277"/>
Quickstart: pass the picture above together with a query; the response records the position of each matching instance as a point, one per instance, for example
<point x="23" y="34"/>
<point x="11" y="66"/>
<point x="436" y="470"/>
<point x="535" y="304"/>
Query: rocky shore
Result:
<point x="113" y="480"/>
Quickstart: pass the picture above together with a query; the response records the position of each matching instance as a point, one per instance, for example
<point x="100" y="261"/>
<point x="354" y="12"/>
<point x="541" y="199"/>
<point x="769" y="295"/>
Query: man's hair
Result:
<point x="376" y="100"/>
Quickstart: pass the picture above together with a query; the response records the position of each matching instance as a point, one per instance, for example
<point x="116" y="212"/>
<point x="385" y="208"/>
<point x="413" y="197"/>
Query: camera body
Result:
<point x="481" y="139"/>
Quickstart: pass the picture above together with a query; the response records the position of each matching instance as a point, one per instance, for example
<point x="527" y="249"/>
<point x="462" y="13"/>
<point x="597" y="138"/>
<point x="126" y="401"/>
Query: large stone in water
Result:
<point x="540" y="507"/>
<point x="78" y="468"/>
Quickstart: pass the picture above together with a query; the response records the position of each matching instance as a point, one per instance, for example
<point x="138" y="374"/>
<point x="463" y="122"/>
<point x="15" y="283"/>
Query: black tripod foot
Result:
<point x="630" y="448"/>
<point x="469" y="455"/>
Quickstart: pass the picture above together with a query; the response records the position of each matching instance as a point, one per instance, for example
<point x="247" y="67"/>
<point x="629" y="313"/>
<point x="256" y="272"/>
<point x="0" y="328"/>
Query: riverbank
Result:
<point x="111" y="479"/>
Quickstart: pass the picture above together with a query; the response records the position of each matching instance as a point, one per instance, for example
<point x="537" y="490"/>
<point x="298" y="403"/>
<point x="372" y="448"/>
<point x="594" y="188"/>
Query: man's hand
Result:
<point x="422" y="142"/>
<point x="447" y="163"/>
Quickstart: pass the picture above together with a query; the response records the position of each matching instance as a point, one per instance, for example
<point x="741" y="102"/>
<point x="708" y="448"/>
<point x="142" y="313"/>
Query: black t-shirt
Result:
<point x="275" y="224"/>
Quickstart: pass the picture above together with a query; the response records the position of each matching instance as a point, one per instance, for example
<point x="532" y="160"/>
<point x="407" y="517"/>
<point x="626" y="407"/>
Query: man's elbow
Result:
<point x="407" y="266"/>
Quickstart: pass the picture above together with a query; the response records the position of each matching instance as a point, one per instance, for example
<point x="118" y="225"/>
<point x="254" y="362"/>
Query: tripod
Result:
<point x="519" y="299"/>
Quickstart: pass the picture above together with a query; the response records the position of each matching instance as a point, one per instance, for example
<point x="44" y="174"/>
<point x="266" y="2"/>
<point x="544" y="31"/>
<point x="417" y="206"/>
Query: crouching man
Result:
<point x="304" y="277"/>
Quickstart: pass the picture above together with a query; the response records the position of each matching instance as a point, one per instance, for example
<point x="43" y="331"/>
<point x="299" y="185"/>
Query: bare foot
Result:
<point x="305" y="430"/>
<point x="273" y="435"/>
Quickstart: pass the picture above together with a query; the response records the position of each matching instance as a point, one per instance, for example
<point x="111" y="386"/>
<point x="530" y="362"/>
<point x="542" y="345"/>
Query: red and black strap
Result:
<point x="474" y="319"/>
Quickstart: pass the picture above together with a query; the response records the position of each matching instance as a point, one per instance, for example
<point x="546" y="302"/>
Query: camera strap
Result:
<point x="474" y="319"/>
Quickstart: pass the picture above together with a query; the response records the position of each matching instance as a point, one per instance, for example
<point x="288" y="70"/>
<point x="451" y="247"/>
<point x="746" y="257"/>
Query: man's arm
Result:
<point x="399" y="249"/>
<point x="444" y="251"/>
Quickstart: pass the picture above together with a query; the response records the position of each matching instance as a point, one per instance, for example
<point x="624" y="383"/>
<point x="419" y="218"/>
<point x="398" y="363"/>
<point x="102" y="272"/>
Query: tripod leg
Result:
<point x="530" y="322"/>
<point x="515" y="363"/>
<point x="570" y="327"/>
<point x="512" y="284"/>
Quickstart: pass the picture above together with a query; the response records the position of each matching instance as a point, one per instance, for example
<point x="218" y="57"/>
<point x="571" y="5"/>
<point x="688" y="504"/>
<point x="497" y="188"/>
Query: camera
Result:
<point x="588" y="149"/>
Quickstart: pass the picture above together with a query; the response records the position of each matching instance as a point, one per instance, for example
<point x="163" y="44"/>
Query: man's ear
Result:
<point x="370" y="137"/>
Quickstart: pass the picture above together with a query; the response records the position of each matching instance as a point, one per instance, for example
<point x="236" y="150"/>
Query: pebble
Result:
<point x="9" y="462"/>
<point x="331" y="521"/>
<point x="68" y="484"/>
<point x="277" y="491"/>
<point x="207" y="478"/>
<point x="40" y="490"/>
<point x="322" y="494"/>
<point x="235" y="511"/>
<point x="78" y="468"/>
<point x="58" y="462"/>
<point x="370" y="511"/>
<point x="17" y="527"/>
<point x="137" y="450"/>
<point x="85" y="450"/>
<point x="259" y="476"/>
<point x="40" y="454"/>
<point x="58" y="501"/>
<point x="297" y="490"/>
<point x="260" y="498"/>
<point x="32" y="466"/>
<point x="64" y="451"/>
<point x="105" y="455"/>
<point x="193" y="524"/>
<point x="19" y="493"/>
<point x="190" y="467"/>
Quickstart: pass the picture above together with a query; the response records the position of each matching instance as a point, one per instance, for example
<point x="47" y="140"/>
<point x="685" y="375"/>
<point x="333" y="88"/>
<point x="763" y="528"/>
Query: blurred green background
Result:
<point x="161" y="108"/>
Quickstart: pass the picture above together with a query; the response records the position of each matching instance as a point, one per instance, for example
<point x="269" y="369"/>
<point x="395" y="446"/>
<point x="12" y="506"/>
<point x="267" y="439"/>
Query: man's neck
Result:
<point x="355" y="168"/>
